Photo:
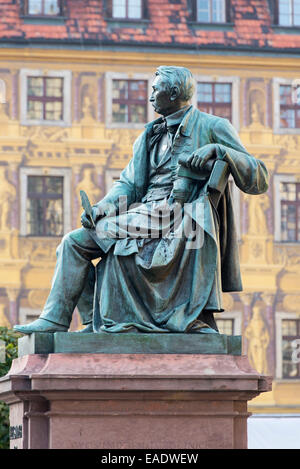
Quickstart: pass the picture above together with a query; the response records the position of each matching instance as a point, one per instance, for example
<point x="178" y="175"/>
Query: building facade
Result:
<point x="75" y="77"/>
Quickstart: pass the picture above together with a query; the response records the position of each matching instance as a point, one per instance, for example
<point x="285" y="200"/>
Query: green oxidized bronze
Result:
<point x="165" y="231"/>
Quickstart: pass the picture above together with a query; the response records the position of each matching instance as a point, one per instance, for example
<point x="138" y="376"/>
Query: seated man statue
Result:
<point x="168" y="249"/>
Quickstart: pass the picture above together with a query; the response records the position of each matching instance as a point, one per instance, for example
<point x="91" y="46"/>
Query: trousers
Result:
<point x="73" y="281"/>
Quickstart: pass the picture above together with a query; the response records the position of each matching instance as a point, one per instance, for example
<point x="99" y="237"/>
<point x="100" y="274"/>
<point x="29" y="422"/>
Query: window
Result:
<point x="288" y="12"/>
<point x="211" y="11"/>
<point x="45" y="97"/>
<point x="286" y="209"/>
<point x="286" y="108"/>
<point x="290" y="211"/>
<point x="219" y="95"/>
<point x="127" y="9"/>
<point x="127" y="105"/>
<point x="215" y="98"/>
<point x="289" y="107"/>
<point x="229" y="322"/>
<point x="225" y="326"/>
<point x="45" y="206"/>
<point x="129" y="102"/>
<point x="290" y="331"/>
<point x="45" y="201"/>
<point x="49" y="8"/>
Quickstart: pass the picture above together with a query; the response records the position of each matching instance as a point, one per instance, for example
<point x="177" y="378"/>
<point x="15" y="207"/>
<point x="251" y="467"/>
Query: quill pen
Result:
<point x="87" y="206"/>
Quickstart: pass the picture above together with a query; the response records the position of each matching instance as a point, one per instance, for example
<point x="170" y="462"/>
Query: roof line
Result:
<point x="86" y="43"/>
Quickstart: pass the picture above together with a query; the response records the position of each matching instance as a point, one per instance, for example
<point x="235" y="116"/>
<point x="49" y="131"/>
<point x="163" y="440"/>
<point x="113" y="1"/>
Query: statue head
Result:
<point x="173" y="88"/>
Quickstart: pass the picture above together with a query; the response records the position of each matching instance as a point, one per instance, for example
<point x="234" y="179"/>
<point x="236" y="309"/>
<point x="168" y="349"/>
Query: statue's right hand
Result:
<point x="97" y="212"/>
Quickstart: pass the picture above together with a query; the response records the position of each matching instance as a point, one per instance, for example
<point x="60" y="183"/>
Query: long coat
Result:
<point x="196" y="130"/>
<point x="163" y="286"/>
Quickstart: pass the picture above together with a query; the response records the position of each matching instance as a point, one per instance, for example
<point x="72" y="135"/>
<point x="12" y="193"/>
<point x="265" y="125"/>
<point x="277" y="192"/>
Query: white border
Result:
<point x="66" y="173"/>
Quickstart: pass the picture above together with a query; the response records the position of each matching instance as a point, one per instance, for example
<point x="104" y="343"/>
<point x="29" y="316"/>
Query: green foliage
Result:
<point x="10" y="339"/>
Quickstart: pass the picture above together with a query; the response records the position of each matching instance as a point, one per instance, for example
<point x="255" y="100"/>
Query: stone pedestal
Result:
<point x="130" y="400"/>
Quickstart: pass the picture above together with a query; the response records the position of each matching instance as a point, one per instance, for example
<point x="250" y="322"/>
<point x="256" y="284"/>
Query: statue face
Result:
<point x="162" y="99"/>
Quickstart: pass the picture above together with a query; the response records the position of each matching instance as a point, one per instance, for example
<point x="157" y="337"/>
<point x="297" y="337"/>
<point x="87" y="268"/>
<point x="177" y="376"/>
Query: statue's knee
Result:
<point x="66" y="240"/>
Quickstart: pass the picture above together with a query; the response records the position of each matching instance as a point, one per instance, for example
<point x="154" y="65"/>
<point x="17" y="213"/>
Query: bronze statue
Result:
<point x="165" y="231"/>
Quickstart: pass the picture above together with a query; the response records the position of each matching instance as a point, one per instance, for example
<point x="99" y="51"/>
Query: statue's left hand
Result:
<point x="199" y="158"/>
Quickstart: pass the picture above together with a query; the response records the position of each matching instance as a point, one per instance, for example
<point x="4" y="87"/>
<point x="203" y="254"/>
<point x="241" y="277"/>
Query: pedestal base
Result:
<point x="105" y="342"/>
<point x="166" y="401"/>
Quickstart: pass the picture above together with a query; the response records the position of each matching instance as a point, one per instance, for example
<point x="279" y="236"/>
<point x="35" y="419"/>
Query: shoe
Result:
<point x="199" y="327"/>
<point x="89" y="328"/>
<point x="40" y="325"/>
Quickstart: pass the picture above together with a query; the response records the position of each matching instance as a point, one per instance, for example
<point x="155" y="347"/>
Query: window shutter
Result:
<point x="274" y="11"/>
<point x="228" y="14"/>
<point x="145" y="10"/>
<point x="62" y="8"/>
<point x="192" y="9"/>
<point x="108" y="8"/>
<point x="24" y="7"/>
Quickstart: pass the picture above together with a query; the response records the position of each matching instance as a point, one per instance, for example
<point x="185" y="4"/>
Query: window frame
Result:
<point x="67" y="80"/>
<point x="235" y="90"/>
<point x="295" y="107"/>
<point x="193" y="16"/>
<point x="129" y="102"/>
<point x="296" y="204"/>
<point x="279" y="178"/>
<point x="109" y="77"/>
<point x="108" y="5"/>
<point x="25" y="172"/>
<point x="277" y="81"/>
<point x="44" y="197"/>
<point x="274" y="8"/>
<point x="44" y="99"/>
<point x="213" y="103"/>
<point x="60" y="15"/>
<point x="279" y="317"/>
<point x="234" y="316"/>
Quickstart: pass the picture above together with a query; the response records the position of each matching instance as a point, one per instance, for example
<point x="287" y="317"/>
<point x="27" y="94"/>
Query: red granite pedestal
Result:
<point x="130" y="401"/>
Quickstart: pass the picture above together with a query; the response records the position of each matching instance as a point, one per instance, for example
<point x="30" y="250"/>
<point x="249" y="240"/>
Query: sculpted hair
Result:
<point x="180" y="77"/>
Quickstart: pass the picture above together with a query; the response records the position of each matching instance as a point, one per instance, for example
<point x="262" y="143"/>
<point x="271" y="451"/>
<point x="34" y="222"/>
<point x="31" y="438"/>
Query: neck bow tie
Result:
<point x="158" y="130"/>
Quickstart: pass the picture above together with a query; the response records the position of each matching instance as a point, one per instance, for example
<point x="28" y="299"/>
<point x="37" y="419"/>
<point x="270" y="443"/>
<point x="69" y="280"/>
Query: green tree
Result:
<point x="9" y="341"/>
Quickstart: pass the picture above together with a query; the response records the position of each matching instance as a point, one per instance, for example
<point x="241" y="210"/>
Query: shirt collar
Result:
<point x="187" y="121"/>
<point x="176" y="117"/>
